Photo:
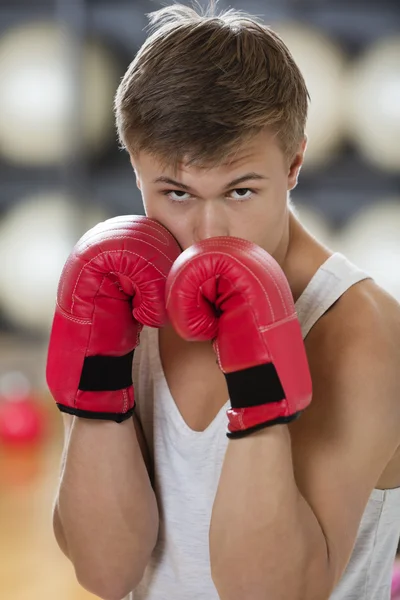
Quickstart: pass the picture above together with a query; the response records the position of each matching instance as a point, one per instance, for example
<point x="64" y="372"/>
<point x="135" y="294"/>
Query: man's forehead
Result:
<point x="248" y="154"/>
<point x="233" y="162"/>
<point x="225" y="165"/>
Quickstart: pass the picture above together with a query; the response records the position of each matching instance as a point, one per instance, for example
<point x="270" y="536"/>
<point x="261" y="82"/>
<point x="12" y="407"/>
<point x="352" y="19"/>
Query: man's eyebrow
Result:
<point x="247" y="177"/>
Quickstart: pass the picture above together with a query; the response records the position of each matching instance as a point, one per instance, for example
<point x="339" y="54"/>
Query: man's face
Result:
<point x="245" y="198"/>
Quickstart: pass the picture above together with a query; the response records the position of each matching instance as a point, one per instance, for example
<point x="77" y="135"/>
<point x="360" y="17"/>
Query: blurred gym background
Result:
<point x="61" y="172"/>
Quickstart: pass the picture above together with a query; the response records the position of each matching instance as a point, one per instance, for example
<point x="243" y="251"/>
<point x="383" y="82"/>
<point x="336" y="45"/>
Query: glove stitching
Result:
<point x="267" y="267"/>
<point x="246" y="245"/>
<point x="132" y="227"/>
<point x="237" y="259"/>
<point x="241" y="419"/>
<point x="254" y="315"/>
<point x="278" y="323"/>
<point x="72" y="318"/>
<point x="120" y="237"/>
<point x="105" y="274"/>
<point x="125" y="398"/>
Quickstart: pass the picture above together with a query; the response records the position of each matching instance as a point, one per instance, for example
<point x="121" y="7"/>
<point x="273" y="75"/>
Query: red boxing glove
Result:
<point x="233" y="292"/>
<point x="112" y="284"/>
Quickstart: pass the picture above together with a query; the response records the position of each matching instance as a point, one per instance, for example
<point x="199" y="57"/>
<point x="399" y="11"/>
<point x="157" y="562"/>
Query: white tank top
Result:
<point x="187" y="467"/>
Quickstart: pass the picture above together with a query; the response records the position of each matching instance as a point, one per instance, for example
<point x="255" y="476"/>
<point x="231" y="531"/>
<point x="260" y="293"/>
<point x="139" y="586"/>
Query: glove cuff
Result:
<point x="257" y="400"/>
<point x="103" y="416"/>
<point x="234" y="434"/>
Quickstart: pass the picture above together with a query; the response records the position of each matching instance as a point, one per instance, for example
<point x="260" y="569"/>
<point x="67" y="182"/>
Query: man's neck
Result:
<point x="300" y="257"/>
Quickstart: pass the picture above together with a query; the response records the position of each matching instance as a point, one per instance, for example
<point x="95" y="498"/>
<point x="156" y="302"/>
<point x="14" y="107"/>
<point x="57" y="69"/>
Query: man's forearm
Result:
<point x="265" y="541"/>
<point x="106" y="506"/>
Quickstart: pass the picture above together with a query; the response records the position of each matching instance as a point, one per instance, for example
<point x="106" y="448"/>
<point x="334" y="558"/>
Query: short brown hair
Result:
<point x="203" y="83"/>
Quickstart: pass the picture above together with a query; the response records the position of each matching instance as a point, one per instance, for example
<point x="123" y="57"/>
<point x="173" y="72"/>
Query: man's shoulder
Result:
<point x="354" y="354"/>
<point x="365" y="319"/>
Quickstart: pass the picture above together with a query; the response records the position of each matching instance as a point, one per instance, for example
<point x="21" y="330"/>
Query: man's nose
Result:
<point x="211" y="221"/>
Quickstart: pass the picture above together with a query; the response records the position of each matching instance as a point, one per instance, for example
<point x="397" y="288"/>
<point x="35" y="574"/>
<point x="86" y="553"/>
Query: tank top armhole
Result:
<point x="334" y="277"/>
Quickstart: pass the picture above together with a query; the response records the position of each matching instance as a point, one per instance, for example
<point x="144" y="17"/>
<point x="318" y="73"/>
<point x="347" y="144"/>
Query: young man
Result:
<point x="163" y="505"/>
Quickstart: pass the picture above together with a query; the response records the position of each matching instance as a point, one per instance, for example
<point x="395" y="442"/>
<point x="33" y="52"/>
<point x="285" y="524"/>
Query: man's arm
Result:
<point x="105" y="516"/>
<point x="265" y="541"/>
<point x="290" y="498"/>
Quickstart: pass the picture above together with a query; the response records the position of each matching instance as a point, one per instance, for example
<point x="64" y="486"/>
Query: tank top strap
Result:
<point x="335" y="276"/>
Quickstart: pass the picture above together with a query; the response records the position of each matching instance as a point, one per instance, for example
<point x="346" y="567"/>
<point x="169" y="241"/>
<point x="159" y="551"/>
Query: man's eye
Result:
<point x="176" y="195"/>
<point x="242" y="194"/>
<point x="180" y="196"/>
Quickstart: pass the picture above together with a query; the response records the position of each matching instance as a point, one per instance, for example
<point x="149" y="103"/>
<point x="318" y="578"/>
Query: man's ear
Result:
<point x="296" y="164"/>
